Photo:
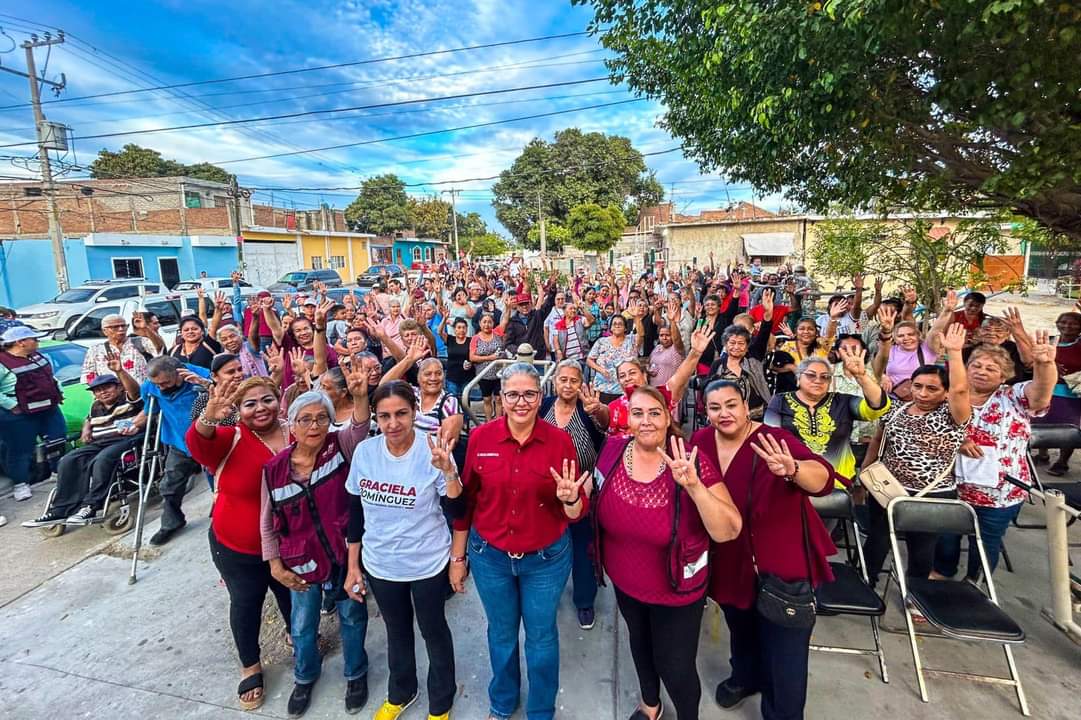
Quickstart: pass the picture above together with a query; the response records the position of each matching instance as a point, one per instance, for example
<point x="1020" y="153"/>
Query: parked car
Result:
<point x="290" y="282"/>
<point x="86" y="329"/>
<point x="66" y="359"/>
<point x="213" y="284"/>
<point x="379" y="273"/>
<point x="69" y="305"/>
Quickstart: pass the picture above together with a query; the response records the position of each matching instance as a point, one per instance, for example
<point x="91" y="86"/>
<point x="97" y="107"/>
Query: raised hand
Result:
<point x="838" y="309"/>
<point x="767" y="300"/>
<point x="954" y="338"/>
<point x="287" y="300"/>
<point x="266" y="303"/>
<point x="887" y="315"/>
<point x="200" y="292"/>
<point x="221" y="398"/>
<point x="591" y="399"/>
<point x="702" y="337"/>
<point x="417" y="349"/>
<point x="112" y="359"/>
<point x="949" y="304"/>
<point x="684" y="470"/>
<point x="441" y="448"/>
<point x="568" y="489"/>
<point x="778" y="457"/>
<point x="273" y="357"/>
<point x="909" y="296"/>
<point x="298" y="362"/>
<point x="857" y="282"/>
<point x="853" y="360"/>
<point x="356" y="379"/>
<point x="321" y="311"/>
<point x="879" y="282"/>
<point x="219" y="299"/>
<point x="1043" y="352"/>
<point x="1013" y="319"/>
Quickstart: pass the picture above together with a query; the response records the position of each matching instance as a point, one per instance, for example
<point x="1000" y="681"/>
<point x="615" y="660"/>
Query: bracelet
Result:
<point x="460" y="559"/>
<point x="574" y="502"/>
<point x="206" y="422"/>
<point x="792" y="477"/>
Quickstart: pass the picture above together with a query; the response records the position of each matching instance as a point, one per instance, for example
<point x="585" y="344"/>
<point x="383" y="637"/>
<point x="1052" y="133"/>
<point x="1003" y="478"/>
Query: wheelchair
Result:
<point x="122" y="498"/>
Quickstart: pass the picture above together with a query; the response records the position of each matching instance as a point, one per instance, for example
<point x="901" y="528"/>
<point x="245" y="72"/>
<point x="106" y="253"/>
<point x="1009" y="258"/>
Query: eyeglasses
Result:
<point x="115" y="327"/>
<point x="815" y="377"/>
<point x="530" y="396"/>
<point x="318" y="421"/>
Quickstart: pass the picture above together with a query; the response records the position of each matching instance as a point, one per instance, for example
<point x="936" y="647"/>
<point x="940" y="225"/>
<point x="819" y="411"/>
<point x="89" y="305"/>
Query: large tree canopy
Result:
<point x="382" y="207"/>
<point x="594" y="228"/>
<point x="576" y="168"/>
<point x="952" y="105"/>
<point x="134" y="161"/>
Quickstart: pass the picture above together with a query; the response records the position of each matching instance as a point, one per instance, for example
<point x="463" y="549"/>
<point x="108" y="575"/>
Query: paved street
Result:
<point x="80" y="642"/>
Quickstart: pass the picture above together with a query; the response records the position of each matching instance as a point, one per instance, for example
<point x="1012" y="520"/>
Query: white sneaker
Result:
<point x="22" y="491"/>
<point x="3" y="521"/>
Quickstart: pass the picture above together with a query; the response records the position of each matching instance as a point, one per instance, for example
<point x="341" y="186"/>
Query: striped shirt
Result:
<point x="107" y="422"/>
<point x="583" y="443"/>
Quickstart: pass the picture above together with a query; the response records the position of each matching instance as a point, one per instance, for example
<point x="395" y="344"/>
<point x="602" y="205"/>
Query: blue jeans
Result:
<point x="353" y="623"/>
<point x="20" y="433"/>
<point x="516" y="592"/>
<point x="993" y="525"/>
<point x="582" y="572"/>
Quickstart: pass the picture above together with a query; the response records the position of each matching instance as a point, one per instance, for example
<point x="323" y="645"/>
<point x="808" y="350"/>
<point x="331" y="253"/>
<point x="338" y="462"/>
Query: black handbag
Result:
<point x="784" y="603"/>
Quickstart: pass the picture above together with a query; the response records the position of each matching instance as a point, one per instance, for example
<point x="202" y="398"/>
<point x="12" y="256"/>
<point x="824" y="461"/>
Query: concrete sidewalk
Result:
<point x="86" y="644"/>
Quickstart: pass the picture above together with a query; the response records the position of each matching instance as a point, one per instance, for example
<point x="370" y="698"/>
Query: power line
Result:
<point x="294" y="71"/>
<point x="428" y="132"/>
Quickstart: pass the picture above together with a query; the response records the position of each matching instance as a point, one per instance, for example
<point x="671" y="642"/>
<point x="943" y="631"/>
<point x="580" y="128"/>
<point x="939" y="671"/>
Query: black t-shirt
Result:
<point x="202" y="356"/>
<point x="457" y="354"/>
<point x="780" y="382"/>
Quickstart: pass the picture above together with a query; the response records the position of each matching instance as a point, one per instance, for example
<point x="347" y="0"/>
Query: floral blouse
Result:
<point x="1003" y="421"/>
<point x="610" y="357"/>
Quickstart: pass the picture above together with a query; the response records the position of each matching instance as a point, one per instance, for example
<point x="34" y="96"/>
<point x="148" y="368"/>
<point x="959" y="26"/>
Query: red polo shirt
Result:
<point x="510" y="494"/>
<point x="970" y="325"/>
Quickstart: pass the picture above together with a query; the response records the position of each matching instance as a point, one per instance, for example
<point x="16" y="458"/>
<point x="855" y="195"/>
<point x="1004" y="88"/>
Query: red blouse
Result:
<point x="778" y="531"/>
<point x="509" y="491"/>
<point x="235" y="520"/>
<point x="636" y="519"/>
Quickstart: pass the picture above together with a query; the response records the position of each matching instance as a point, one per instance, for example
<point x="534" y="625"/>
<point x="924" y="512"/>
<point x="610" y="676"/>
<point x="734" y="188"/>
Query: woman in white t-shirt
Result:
<point x="401" y="481"/>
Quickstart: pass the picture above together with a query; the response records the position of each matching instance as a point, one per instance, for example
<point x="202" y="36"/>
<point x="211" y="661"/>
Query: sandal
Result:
<point x="252" y="682"/>
<point x="1058" y="470"/>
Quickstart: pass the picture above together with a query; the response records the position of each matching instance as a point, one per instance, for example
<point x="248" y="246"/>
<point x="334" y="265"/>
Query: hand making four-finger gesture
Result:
<point x="778" y="457"/>
<point x="683" y="466"/>
<point x="954" y="338"/>
<point x="356" y="379"/>
<point x="701" y="338"/>
<point x="1043" y="352"/>
<point x="568" y="484"/>
<point x="853" y="360"/>
<point x="591" y="399"/>
<point x="220" y="399"/>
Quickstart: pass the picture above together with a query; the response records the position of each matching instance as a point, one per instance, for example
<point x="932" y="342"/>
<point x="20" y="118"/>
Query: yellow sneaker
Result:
<point x="390" y="711"/>
<point x="444" y="716"/>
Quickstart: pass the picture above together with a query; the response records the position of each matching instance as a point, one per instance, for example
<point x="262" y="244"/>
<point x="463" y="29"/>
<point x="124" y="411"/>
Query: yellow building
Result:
<point x="270" y="252"/>
<point x="346" y="252"/>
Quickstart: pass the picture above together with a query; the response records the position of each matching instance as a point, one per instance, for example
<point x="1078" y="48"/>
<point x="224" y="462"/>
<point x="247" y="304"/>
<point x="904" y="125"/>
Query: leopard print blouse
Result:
<point x="919" y="447"/>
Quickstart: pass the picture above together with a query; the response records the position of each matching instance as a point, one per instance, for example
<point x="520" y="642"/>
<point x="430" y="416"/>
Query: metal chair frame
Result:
<point x="1014" y="680"/>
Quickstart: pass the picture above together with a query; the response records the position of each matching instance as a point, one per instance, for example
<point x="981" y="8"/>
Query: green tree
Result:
<point x="134" y="161"/>
<point x="382" y="207"/>
<point x="594" y="228"/>
<point x="575" y="169"/>
<point x="431" y="217"/>
<point x="487" y="245"/>
<point x="471" y="225"/>
<point x="909" y="252"/>
<point x="948" y="105"/>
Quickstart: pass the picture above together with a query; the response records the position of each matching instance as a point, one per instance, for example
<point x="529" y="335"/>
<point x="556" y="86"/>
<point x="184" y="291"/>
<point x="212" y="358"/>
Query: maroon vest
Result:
<point x="311" y="519"/>
<point x="35" y="388"/>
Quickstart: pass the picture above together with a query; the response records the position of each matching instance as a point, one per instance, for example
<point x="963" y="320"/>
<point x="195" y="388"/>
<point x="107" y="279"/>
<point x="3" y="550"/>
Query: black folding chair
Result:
<point x="959" y="609"/>
<point x="849" y="593"/>
<point x="1048" y="437"/>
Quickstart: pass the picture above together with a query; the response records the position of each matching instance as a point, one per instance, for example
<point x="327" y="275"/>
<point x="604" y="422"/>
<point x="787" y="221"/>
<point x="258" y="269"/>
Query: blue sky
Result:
<point x="118" y="46"/>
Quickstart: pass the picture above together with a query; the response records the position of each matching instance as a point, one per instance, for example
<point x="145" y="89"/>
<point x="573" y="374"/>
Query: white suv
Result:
<point x="69" y="305"/>
<point x="86" y="329"/>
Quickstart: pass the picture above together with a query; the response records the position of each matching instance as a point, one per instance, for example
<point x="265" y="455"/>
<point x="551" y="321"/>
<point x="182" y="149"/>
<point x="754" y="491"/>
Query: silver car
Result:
<point x="68" y="306"/>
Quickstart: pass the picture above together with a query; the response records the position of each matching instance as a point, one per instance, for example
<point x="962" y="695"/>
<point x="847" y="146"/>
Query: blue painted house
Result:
<point x="27" y="274"/>
<point x="410" y="252"/>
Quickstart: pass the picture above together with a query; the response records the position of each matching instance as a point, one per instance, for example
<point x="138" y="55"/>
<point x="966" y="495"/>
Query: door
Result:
<point x="267" y="261"/>
<point x="170" y="271"/>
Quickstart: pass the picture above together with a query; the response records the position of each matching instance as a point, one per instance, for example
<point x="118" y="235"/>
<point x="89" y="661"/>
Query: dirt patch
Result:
<point x="124" y="552"/>
<point x="273" y="638"/>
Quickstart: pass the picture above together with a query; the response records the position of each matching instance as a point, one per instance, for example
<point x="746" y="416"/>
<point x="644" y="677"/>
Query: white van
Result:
<point x="86" y="330"/>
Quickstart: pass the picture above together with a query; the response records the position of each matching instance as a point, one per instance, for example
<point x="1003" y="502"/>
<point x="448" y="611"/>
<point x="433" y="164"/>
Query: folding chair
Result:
<point x="849" y="593"/>
<point x="959" y="609"/>
<point x="1047" y="437"/>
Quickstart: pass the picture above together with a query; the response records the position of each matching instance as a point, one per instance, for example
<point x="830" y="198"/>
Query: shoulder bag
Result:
<point x="881" y="483"/>
<point x="783" y="603"/>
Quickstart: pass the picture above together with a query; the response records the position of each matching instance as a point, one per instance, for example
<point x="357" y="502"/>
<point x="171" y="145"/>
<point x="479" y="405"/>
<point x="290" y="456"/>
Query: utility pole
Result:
<point x="46" y="138"/>
<point x="454" y="221"/>
<point x="543" y="234"/>
<point x="236" y="193"/>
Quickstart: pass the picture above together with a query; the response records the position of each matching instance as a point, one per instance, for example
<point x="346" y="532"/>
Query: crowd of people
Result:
<point x="334" y="437"/>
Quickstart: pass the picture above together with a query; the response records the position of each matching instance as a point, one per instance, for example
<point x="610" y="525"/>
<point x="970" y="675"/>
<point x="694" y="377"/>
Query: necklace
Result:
<point x="628" y="461"/>
<point x="284" y="437"/>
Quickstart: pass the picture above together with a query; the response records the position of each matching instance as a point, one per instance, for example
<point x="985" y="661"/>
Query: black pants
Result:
<point x="921" y="546"/>
<point x="398" y="603"/>
<point x="664" y="646"/>
<point x="771" y="659"/>
<point x="173" y="486"/>
<point x="247" y="578"/>
<point x="83" y="475"/>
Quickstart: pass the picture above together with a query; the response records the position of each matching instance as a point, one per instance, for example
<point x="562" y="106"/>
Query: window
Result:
<point x="89" y="328"/>
<point x="166" y="312"/>
<point x="427" y="253"/>
<point x="221" y="201"/>
<point x="192" y="199"/>
<point x="124" y="268"/>
<point x="317" y="263"/>
<point x="337" y="261"/>
<point x="771" y="260"/>
<point x="118" y="293"/>
<point x="416" y="254"/>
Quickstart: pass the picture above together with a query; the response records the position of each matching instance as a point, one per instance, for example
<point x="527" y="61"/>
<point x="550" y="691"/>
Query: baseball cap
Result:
<point x="104" y="379"/>
<point x="263" y="294"/>
<point x="20" y="332"/>
<point x="522" y="298"/>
